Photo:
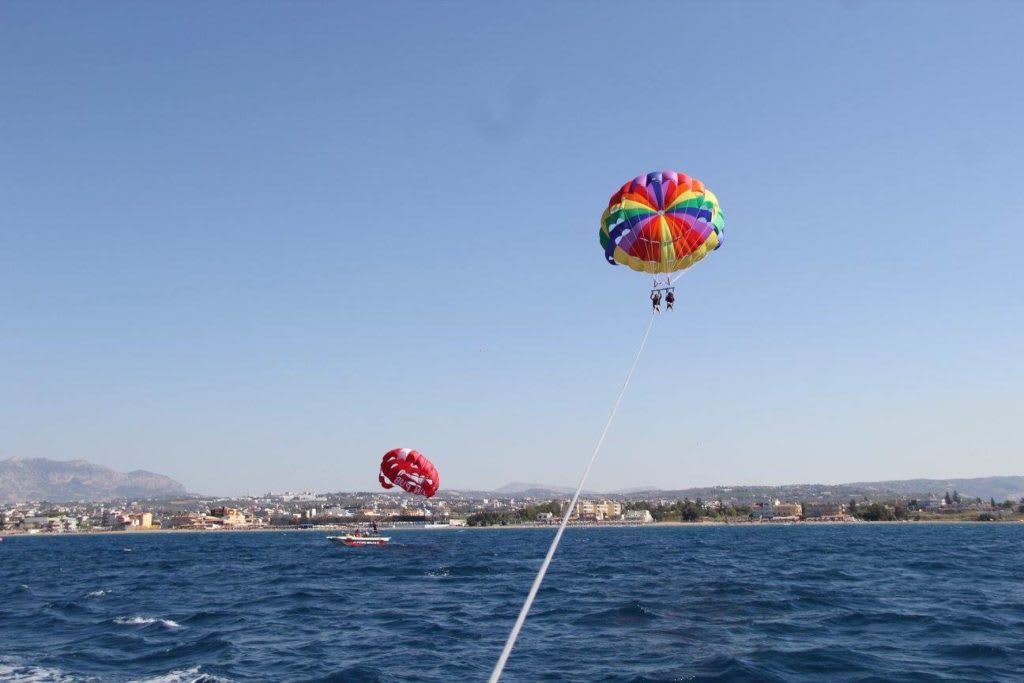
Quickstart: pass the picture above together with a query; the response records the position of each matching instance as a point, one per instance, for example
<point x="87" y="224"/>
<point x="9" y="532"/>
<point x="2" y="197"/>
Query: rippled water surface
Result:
<point x="774" y="603"/>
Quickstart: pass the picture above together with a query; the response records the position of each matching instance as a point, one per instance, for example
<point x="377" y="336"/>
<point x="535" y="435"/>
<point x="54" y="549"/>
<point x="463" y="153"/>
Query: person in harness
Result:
<point x="656" y="300"/>
<point x="670" y="300"/>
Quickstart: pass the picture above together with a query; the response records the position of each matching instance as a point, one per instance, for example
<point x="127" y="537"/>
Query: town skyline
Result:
<point x="999" y="486"/>
<point x="343" y="510"/>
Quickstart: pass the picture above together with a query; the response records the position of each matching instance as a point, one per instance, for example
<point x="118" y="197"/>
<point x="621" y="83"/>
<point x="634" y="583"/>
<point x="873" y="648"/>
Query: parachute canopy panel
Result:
<point x="660" y="223"/>
<point x="410" y="471"/>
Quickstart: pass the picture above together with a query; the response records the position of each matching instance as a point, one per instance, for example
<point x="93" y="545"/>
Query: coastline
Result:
<point x="745" y="524"/>
<point x="586" y="525"/>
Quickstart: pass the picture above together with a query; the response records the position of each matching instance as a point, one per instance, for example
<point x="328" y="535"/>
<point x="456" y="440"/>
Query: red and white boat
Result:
<point x="351" y="540"/>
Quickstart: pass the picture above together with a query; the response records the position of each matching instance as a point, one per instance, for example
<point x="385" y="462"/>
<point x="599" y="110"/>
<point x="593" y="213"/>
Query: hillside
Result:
<point x="999" y="488"/>
<point x="23" y="479"/>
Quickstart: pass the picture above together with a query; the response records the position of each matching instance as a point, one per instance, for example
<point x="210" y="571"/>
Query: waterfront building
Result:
<point x="142" y="520"/>
<point x="38" y="522"/>
<point x="35" y="522"/>
<point x="611" y="509"/>
<point x="762" y="511"/>
<point x="787" y="509"/>
<point x="641" y="516"/>
<point x="592" y="511"/>
<point x="285" y="518"/>
<point x="228" y="516"/>
<point x="819" y="510"/>
<point x="188" y="520"/>
<point x="110" y="517"/>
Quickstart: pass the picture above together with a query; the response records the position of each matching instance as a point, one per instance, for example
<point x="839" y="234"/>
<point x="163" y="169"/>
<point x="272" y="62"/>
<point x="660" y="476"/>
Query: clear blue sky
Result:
<point x="255" y="245"/>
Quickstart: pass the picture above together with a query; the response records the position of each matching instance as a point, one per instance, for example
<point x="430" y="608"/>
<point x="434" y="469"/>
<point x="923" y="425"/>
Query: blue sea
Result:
<point x="868" y="602"/>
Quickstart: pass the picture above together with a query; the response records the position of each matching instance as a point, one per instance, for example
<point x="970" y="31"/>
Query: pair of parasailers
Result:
<point x="670" y="300"/>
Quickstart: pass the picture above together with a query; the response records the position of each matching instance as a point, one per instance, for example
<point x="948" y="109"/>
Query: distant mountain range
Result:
<point x="24" y="479"/>
<point x="39" y="479"/>
<point x="520" y="488"/>
<point x="999" y="488"/>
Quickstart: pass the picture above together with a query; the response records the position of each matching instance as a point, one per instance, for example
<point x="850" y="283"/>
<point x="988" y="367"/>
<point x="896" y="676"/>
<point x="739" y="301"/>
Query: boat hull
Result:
<point x="359" y="541"/>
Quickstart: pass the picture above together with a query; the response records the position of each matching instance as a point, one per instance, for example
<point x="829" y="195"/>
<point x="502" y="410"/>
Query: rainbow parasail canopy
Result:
<point x="661" y="222"/>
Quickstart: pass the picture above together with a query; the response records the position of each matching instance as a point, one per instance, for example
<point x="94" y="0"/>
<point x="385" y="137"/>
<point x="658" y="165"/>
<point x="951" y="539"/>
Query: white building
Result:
<point x="641" y="516"/>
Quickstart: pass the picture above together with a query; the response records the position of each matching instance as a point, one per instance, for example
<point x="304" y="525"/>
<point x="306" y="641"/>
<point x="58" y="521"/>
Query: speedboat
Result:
<point x="350" y="540"/>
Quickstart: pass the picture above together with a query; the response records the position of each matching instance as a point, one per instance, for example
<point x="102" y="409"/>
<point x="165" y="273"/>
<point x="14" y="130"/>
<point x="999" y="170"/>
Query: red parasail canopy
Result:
<point x="409" y="470"/>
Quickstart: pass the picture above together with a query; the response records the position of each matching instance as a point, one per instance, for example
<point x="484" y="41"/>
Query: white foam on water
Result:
<point x="192" y="675"/>
<point x="97" y="594"/>
<point x="13" y="671"/>
<point x="146" y="621"/>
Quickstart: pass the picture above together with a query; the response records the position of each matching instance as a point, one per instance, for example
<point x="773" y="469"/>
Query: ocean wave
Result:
<point x="355" y="674"/>
<point x="68" y="607"/>
<point x="630" y="613"/>
<point x="725" y="668"/>
<point x="207" y="617"/>
<point x="191" y="675"/>
<point x="474" y="570"/>
<point x="146" y="621"/>
<point x="977" y="651"/>
<point x="14" y="671"/>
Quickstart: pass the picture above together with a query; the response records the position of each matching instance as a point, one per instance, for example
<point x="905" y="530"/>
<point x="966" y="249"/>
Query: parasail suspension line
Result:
<point x="510" y="643"/>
